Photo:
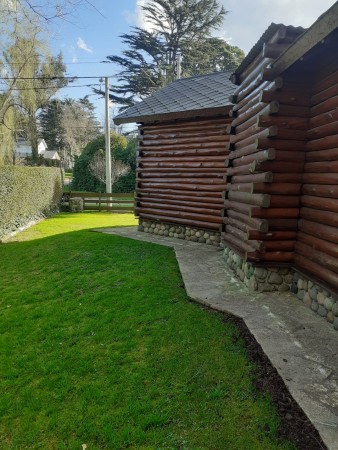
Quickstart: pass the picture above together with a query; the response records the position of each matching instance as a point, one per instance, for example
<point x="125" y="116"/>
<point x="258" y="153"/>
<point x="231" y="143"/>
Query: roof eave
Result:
<point x="323" y="26"/>
<point x="203" y="112"/>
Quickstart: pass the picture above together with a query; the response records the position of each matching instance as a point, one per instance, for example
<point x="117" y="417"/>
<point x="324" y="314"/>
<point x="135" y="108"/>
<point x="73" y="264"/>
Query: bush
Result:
<point x="121" y="149"/>
<point x="26" y="194"/>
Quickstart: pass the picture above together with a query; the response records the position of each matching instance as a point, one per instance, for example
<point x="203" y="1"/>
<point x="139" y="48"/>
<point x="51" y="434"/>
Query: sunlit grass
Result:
<point x="99" y="345"/>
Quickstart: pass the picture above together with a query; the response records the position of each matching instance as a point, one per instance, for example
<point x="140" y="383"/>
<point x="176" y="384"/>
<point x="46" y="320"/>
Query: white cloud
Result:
<point x="83" y="46"/>
<point x="247" y="20"/>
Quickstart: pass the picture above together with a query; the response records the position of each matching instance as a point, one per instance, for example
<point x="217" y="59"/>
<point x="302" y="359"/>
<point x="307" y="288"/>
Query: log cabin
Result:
<point x="260" y="167"/>
<point x="281" y="205"/>
<point x="182" y="149"/>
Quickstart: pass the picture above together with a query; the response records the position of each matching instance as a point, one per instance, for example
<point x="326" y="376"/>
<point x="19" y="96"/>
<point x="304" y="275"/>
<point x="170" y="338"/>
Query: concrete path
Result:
<point x="299" y="343"/>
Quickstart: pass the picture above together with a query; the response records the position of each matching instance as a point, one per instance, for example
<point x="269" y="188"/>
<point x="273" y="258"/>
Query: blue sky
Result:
<point x="91" y="33"/>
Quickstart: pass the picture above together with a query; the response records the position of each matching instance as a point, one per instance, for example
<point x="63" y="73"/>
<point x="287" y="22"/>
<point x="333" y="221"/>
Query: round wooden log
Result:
<point x="283" y="224"/>
<point x="237" y="224"/>
<point x="294" y="111"/>
<point x="327" y="105"/>
<point x="262" y="200"/>
<point x="274" y="213"/>
<point x="245" y="125"/>
<point x="280" y="167"/>
<point x="214" y="151"/>
<point x="211" y="196"/>
<point x="327" y="129"/>
<point x="320" y="178"/>
<point x="273" y="50"/>
<point x="148" y="205"/>
<point x="316" y="215"/>
<point x="324" y="204"/>
<point x="181" y="160"/>
<point x="184" y="135"/>
<point x="325" y="143"/>
<point x="277" y="256"/>
<point x="264" y="155"/>
<point x="253" y="111"/>
<point x="325" y="83"/>
<point x="173" y="220"/>
<point x="284" y="201"/>
<point x="207" y="218"/>
<point x="292" y="123"/>
<point x="321" y="167"/>
<point x="323" y="119"/>
<point x="280" y="144"/>
<point x="232" y="240"/>
<point x="317" y="270"/>
<point x="277" y="188"/>
<point x="287" y="178"/>
<point x="263" y="134"/>
<point x="255" y="224"/>
<point x="329" y="191"/>
<point x="179" y="147"/>
<point x="320" y="97"/>
<point x="243" y="187"/>
<point x="323" y="259"/>
<point x="181" y="202"/>
<point x="191" y="165"/>
<point x="181" y="141"/>
<point x="318" y="244"/>
<point x="279" y="246"/>
<point x="187" y="187"/>
<point x="248" y="150"/>
<point x="276" y="236"/>
<point x="286" y="97"/>
<point x="325" y="232"/>
<point x="322" y="155"/>
<point x="245" y="169"/>
<point x="172" y="127"/>
<point x="208" y="181"/>
<point x="185" y="174"/>
<point x="239" y="234"/>
<point x="240" y="207"/>
<point x="291" y="134"/>
<point x="282" y="155"/>
<point x="237" y="136"/>
<point x="265" y="177"/>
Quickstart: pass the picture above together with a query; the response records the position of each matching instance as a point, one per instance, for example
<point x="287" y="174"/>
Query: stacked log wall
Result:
<point x="180" y="177"/>
<point x="265" y="165"/>
<point x="316" y="249"/>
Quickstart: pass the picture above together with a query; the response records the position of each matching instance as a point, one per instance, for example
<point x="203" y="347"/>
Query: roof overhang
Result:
<point x="317" y="33"/>
<point x="179" y="115"/>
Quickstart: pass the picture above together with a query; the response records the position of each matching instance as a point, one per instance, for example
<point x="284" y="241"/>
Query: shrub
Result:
<point x="26" y="194"/>
<point x="121" y="149"/>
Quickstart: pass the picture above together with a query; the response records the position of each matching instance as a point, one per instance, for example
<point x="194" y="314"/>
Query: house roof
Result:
<point x="50" y="154"/>
<point x="187" y="97"/>
<point x="326" y="24"/>
<point x="266" y="37"/>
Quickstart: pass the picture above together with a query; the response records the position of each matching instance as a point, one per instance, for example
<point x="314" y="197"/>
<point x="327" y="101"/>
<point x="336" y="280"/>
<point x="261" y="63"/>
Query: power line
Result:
<point x="60" y="77"/>
<point x="35" y="88"/>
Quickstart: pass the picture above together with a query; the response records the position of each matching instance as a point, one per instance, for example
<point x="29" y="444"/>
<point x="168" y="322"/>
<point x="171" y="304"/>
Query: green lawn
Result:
<point x="101" y="346"/>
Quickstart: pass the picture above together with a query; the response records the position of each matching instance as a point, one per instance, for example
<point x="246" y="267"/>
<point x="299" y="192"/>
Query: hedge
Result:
<point x="26" y="194"/>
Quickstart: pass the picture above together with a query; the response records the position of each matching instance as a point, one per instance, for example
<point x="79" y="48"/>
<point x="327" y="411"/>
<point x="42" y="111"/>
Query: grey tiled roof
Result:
<point x="186" y="97"/>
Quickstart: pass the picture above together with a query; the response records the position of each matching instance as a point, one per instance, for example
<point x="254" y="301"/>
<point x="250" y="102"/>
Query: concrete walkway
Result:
<point x="299" y="343"/>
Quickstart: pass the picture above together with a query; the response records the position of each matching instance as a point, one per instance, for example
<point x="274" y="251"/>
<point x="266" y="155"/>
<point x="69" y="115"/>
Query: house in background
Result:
<point x="24" y="149"/>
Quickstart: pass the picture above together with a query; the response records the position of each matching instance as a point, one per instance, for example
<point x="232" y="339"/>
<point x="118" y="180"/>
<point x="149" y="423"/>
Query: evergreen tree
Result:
<point x="178" y="27"/>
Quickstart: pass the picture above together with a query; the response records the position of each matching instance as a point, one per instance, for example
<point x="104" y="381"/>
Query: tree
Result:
<point x="121" y="150"/>
<point x="31" y="76"/>
<point x="97" y="166"/>
<point x="178" y="27"/>
<point x="68" y="126"/>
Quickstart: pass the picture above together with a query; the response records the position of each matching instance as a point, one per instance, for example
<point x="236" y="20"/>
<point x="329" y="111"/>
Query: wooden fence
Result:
<point x="98" y="201"/>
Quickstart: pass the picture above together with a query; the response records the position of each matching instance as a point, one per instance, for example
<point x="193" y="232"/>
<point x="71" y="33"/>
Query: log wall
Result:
<point x="265" y="164"/>
<point x="317" y="238"/>
<point x="180" y="177"/>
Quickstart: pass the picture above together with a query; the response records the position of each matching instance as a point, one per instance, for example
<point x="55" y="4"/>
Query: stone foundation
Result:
<point x="259" y="279"/>
<point x="317" y="298"/>
<point x="283" y="279"/>
<point x="208" y="237"/>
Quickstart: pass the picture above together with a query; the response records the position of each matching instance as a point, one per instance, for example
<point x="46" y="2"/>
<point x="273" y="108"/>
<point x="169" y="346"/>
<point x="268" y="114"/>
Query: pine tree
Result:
<point x="178" y="27"/>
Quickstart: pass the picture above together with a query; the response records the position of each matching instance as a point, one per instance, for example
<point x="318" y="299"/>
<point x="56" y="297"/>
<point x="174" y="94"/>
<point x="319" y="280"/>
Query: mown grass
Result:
<point x="99" y="345"/>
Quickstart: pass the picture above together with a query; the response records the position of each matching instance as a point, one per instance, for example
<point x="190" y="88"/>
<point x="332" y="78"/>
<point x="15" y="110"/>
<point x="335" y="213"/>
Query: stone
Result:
<point x="314" y="306"/>
<point x="156" y="231"/>
<point x="310" y="284"/>
<point x="213" y="238"/>
<point x="284" y="288"/>
<point x="305" y="286"/>
<point x="300" y="294"/>
<point x="266" y="287"/>
<point x="146" y="230"/>
<point x="175" y="235"/>
<point x="152" y="225"/>
<point x="306" y="298"/>
<point x="140" y="228"/>
<point x="296" y="277"/>
<point x="288" y="278"/>
<point x="198" y="234"/>
<point x="166" y="233"/>
<point x="320" y="298"/>
<point x="335" y="323"/>
<point x="328" y="303"/>
<point x="76" y="204"/>
<point x="283" y="271"/>
<point x="161" y="232"/>
<point x="206" y="235"/>
<point x="171" y="230"/>
<point x="201" y="240"/>
<point x="187" y="233"/>
<point x="294" y="287"/>
<point x="275" y="278"/>
<point x="171" y="234"/>
<point x="151" y="230"/>
<point x="193" y="238"/>
<point x="300" y="283"/>
<point x="322" y="311"/>
<point x="335" y="309"/>
<point x="208" y="242"/>
<point x="181" y="236"/>
<point x="313" y="293"/>
<point x="253" y="284"/>
<point x="330" y="317"/>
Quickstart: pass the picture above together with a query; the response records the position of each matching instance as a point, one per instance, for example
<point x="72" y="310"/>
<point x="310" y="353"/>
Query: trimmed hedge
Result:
<point x="26" y="194"/>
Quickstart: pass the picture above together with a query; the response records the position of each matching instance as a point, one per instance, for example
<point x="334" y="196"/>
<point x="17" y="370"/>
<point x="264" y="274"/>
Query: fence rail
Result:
<point x="100" y="201"/>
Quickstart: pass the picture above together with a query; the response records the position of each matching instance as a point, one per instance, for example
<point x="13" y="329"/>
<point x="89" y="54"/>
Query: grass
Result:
<point x="99" y="345"/>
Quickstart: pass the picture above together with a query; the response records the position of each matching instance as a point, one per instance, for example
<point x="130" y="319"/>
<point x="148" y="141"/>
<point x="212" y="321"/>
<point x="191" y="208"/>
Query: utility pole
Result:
<point x="178" y="66"/>
<point x="107" y="129"/>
